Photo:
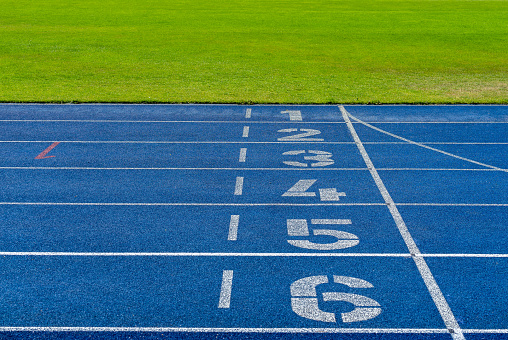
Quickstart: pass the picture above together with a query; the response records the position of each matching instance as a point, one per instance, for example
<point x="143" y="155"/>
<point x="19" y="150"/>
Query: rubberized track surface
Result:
<point x="253" y="222"/>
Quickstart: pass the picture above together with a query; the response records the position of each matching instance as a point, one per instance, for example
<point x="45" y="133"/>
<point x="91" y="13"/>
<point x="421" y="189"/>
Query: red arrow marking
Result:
<point x="43" y="154"/>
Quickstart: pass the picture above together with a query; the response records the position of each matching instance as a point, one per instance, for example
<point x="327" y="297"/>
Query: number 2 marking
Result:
<point x="300" y="137"/>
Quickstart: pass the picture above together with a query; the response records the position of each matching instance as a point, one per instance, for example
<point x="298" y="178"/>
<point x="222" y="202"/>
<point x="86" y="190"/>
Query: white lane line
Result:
<point x="434" y="290"/>
<point x="247" y="116"/>
<point x="250" y="169"/>
<point x="431" y="169"/>
<point x="490" y="331"/>
<point x="434" y="122"/>
<point x="423" y="145"/>
<point x="243" y="155"/>
<point x="245" y="133"/>
<point x="176" y="142"/>
<point x="236" y="142"/>
<point x="161" y="121"/>
<point x="226" y="288"/>
<point x="233" y="227"/>
<point x="191" y="254"/>
<point x="234" y="330"/>
<point x="258" y="204"/>
<point x="240" y="160"/>
<point x="248" y="113"/>
<point x="205" y="254"/>
<point x="443" y="143"/>
<point x="239" y="186"/>
<point x="197" y="204"/>
<point x="466" y="255"/>
<point x="454" y="204"/>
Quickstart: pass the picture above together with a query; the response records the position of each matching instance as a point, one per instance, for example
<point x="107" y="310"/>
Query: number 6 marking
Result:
<point x="304" y="301"/>
<point x="297" y="227"/>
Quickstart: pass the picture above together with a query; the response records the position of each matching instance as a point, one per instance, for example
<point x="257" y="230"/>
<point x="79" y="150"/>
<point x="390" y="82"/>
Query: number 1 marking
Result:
<point x="294" y="115"/>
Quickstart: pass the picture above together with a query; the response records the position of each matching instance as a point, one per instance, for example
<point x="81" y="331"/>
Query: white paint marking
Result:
<point x="293" y="115"/>
<point x="325" y="191"/>
<point x="466" y="255"/>
<point x="259" y="204"/>
<point x="455" y="204"/>
<point x="233" y="227"/>
<point x="428" y="278"/>
<point x="243" y="330"/>
<point x="233" y="142"/>
<point x="204" y="254"/>
<point x="226" y="288"/>
<point x="472" y="331"/>
<point x="201" y="204"/>
<point x="248" y="113"/>
<point x="300" y="189"/>
<point x="220" y="121"/>
<point x="423" y="145"/>
<point x="239" y="186"/>
<point x="243" y="155"/>
<point x="253" y="254"/>
<point x="245" y="133"/>
<point x="297" y="227"/>
<point x="251" y="169"/>
<point x="330" y="221"/>
<point x="330" y="194"/>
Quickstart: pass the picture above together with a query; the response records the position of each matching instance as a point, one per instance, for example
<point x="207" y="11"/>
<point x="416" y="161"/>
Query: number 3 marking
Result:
<point x="321" y="158"/>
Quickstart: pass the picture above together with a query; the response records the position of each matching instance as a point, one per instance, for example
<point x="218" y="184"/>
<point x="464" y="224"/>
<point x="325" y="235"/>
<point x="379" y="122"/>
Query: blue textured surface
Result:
<point x="125" y="222"/>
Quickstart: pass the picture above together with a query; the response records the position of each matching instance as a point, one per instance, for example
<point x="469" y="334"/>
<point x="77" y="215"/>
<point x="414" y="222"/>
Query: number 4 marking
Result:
<point x="301" y="187"/>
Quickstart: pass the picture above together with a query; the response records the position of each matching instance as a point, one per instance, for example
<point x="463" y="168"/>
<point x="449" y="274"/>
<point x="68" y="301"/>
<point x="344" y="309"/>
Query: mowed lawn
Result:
<point x="254" y="51"/>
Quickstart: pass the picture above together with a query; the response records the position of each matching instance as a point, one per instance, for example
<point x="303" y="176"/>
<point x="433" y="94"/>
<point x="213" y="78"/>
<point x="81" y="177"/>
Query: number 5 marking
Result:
<point x="297" y="227"/>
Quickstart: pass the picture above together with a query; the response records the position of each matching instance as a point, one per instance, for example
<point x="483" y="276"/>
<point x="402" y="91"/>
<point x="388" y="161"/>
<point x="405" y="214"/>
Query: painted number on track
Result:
<point x="304" y="300"/>
<point x="300" y="228"/>
<point x="303" y="136"/>
<point x="316" y="158"/>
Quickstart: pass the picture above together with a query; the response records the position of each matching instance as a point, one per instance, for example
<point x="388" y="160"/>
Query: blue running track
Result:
<point x="253" y="222"/>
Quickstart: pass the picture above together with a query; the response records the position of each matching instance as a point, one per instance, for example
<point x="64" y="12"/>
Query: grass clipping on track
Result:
<point x="254" y="51"/>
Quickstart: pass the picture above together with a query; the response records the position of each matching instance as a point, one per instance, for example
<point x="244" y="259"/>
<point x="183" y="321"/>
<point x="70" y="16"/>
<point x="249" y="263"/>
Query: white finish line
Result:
<point x="434" y="290"/>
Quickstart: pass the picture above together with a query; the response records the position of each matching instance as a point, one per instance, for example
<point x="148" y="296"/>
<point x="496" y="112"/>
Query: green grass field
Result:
<point x="254" y="51"/>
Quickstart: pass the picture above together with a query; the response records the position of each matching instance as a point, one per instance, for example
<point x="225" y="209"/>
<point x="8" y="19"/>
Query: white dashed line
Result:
<point x="233" y="227"/>
<point x="226" y="288"/>
<point x="243" y="155"/>
<point x="239" y="186"/>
